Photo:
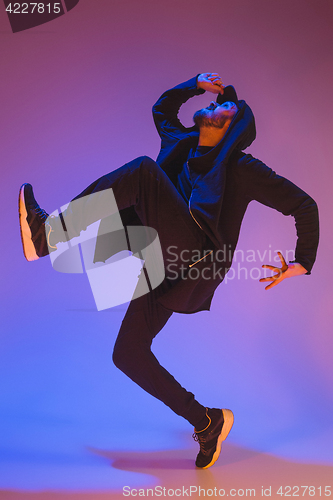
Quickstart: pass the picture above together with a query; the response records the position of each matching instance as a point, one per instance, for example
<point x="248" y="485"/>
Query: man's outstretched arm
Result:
<point x="277" y="192"/>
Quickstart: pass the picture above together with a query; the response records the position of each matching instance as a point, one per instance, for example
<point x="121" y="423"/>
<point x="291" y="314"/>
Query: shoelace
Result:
<point x="202" y="441"/>
<point x="41" y="213"/>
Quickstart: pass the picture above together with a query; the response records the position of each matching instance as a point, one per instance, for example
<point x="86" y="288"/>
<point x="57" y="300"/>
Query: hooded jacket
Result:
<point x="224" y="181"/>
<point x="207" y="172"/>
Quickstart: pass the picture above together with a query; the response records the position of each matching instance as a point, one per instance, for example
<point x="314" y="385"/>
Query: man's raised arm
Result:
<point x="165" y="110"/>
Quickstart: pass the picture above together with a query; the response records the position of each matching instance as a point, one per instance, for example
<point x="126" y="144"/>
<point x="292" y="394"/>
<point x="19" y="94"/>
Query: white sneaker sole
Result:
<point x="26" y="237"/>
<point x="227" y="425"/>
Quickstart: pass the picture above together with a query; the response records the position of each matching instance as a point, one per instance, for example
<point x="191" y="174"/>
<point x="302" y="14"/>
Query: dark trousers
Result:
<point x="143" y="185"/>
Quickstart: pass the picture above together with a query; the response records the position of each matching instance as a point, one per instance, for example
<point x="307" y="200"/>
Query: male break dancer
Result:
<point x="195" y="196"/>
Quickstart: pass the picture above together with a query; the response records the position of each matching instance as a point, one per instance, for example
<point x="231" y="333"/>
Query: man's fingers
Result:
<point x="272" y="268"/>
<point x="270" y="278"/>
<point x="276" y="278"/>
<point x="283" y="262"/>
<point x="271" y="285"/>
<point x="274" y="281"/>
<point x="214" y="80"/>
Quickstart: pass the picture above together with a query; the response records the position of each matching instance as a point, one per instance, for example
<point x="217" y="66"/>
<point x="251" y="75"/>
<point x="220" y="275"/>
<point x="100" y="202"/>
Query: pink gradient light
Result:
<point x="76" y="97"/>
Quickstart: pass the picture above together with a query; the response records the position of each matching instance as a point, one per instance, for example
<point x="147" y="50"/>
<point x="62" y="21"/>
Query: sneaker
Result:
<point x="210" y="438"/>
<point x="35" y="232"/>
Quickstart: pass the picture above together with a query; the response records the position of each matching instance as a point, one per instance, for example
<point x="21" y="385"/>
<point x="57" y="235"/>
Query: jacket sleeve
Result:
<point x="274" y="191"/>
<point x="165" y="110"/>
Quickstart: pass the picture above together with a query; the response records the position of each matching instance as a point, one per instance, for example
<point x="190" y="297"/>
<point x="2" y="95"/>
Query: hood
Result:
<point x="208" y="172"/>
<point x="245" y="116"/>
<point x="239" y="136"/>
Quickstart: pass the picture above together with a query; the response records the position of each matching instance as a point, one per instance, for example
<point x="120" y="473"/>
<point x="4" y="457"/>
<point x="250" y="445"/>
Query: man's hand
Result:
<point x="286" y="271"/>
<point x="211" y="82"/>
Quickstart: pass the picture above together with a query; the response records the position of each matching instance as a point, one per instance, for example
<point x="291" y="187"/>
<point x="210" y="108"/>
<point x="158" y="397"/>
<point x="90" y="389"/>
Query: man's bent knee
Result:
<point x="148" y="165"/>
<point x="124" y="357"/>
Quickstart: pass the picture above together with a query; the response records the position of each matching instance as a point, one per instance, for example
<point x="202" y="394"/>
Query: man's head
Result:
<point x="215" y="115"/>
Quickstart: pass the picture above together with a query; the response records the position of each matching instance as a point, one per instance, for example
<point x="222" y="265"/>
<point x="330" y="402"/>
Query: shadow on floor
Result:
<point x="239" y="472"/>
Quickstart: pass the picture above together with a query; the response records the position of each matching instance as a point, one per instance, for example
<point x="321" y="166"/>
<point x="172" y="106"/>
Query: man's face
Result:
<point x="215" y="115"/>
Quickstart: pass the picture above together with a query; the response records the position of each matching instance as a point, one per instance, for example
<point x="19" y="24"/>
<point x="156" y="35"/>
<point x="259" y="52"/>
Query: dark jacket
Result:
<point x="207" y="172"/>
<point x="224" y="181"/>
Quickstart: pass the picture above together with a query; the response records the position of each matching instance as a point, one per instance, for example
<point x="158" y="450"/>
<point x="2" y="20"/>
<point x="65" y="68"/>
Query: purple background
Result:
<point x="76" y="97"/>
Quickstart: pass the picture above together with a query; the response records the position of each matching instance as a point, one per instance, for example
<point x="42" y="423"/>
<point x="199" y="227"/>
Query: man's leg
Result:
<point x="141" y="184"/>
<point x="132" y="354"/>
